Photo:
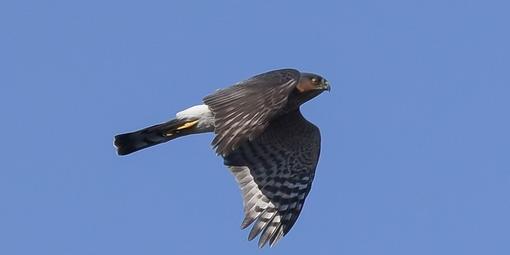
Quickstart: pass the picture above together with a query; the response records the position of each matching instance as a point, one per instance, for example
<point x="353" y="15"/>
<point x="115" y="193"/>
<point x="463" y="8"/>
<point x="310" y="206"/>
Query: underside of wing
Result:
<point x="244" y="110"/>
<point x="275" y="173"/>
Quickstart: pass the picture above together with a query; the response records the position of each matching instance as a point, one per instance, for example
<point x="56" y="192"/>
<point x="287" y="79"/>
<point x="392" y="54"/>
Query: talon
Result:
<point x="177" y="130"/>
<point x="188" y="125"/>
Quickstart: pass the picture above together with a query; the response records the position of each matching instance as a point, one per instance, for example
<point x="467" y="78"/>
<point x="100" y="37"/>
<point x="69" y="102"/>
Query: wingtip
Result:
<point x="262" y="242"/>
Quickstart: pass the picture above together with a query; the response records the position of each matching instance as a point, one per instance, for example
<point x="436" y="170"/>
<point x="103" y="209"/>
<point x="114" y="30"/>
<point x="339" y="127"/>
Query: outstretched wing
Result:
<point x="244" y="110"/>
<point x="275" y="173"/>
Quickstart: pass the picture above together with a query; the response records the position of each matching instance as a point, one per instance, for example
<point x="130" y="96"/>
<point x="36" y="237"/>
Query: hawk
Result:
<point x="265" y="141"/>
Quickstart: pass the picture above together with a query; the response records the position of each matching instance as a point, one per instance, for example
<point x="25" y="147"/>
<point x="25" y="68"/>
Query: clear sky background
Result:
<point x="416" y="130"/>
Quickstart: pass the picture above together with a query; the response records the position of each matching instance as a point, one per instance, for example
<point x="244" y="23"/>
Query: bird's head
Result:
<point x="310" y="85"/>
<point x="310" y="82"/>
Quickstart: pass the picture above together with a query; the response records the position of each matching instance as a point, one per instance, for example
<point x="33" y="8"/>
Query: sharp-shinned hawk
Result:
<point x="270" y="148"/>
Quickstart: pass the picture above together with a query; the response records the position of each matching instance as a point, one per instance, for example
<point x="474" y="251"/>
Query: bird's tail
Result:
<point x="130" y="142"/>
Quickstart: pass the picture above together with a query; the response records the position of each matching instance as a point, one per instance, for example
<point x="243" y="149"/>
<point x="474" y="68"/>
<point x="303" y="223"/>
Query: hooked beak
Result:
<point x="325" y="86"/>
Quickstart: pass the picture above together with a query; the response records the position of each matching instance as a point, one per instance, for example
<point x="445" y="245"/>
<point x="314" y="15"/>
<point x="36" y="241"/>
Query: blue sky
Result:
<point x="416" y="142"/>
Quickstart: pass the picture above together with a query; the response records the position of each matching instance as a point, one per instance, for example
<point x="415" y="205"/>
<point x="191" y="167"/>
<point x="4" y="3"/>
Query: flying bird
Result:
<point x="265" y="141"/>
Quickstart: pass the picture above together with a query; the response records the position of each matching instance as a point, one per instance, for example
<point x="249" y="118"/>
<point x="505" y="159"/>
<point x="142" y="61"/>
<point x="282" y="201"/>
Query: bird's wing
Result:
<point x="275" y="172"/>
<point x="244" y="110"/>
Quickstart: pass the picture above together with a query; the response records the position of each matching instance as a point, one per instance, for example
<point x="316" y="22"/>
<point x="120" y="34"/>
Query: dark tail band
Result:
<point x="134" y="141"/>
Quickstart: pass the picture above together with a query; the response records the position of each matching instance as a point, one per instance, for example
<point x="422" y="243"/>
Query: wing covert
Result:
<point x="244" y="110"/>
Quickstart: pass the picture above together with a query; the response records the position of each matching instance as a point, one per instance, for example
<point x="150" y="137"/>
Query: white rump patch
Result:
<point x="196" y="111"/>
<point x="200" y="112"/>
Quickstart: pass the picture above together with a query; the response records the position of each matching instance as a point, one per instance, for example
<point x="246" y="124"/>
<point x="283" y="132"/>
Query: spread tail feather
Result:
<point x="134" y="141"/>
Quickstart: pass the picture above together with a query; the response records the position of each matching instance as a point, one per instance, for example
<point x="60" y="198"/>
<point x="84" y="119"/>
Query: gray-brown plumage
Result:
<point x="275" y="173"/>
<point x="270" y="148"/>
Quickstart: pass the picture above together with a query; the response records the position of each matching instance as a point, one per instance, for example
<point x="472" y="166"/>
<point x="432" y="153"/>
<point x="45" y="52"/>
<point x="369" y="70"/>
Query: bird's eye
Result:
<point x="314" y="80"/>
